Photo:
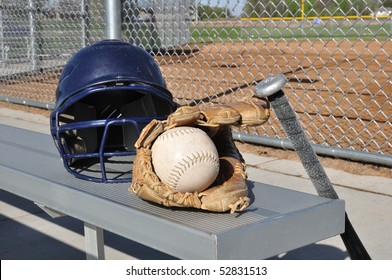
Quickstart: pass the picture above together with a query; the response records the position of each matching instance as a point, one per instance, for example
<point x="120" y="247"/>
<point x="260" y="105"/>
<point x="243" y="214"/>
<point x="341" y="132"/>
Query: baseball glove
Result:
<point x="229" y="192"/>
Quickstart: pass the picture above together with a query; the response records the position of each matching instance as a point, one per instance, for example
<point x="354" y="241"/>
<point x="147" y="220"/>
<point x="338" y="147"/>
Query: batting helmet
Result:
<point x="107" y="93"/>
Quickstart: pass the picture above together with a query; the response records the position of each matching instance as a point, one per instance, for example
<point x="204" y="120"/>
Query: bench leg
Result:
<point x="94" y="242"/>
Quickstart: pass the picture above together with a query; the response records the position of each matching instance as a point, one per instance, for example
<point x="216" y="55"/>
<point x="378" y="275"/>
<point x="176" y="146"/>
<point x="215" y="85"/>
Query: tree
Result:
<point x="266" y="8"/>
<point x="387" y="3"/>
<point x="208" y="12"/>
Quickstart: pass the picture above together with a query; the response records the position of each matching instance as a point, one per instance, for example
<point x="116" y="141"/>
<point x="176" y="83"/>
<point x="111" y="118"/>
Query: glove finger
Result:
<point x="219" y="115"/>
<point x="149" y="133"/>
<point x="183" y="116"/>
<point x="252" y="113"/>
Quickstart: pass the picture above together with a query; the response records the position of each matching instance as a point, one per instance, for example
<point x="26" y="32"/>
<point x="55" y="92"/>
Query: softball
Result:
<point x="186" y="159"/>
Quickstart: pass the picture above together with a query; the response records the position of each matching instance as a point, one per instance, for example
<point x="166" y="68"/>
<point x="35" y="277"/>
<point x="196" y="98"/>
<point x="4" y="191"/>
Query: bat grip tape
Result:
<point x="302" y="146"/>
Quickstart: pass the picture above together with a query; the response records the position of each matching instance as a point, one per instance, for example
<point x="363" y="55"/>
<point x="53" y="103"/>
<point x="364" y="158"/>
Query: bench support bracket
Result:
<point x="94" y="242"/>
<point x="50" y="211"/>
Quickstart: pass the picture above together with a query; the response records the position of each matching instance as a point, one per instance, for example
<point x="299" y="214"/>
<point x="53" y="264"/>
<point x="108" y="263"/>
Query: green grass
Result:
<point x="366" y="32"/>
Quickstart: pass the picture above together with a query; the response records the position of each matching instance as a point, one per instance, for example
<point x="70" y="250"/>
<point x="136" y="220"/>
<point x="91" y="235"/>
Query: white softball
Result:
<point x="186" y="159"/>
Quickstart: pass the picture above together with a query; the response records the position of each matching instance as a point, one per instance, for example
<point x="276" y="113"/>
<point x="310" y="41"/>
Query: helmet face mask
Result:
<point x="95" y="128"/>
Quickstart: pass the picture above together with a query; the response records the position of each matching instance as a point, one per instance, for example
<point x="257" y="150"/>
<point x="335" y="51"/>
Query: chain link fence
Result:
<point x="336" y="54"/>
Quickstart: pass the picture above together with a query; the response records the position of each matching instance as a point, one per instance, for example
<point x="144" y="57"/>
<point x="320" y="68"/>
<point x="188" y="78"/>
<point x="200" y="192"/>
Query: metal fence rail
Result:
<point x="336" y="54"/>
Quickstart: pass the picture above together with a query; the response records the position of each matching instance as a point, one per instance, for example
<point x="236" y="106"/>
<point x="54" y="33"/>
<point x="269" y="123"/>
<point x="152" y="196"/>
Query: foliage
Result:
<point x="209" y="12"/>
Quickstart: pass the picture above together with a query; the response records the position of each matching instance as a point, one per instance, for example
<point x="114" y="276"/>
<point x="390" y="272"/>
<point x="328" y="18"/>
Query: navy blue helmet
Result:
<point x="107" y="93"/>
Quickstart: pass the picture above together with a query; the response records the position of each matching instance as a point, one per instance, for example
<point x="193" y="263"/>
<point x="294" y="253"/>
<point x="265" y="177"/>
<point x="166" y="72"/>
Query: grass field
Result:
<point x="367" y="30"/>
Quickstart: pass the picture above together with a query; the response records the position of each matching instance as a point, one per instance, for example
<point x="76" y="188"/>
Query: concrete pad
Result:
<point x="292" y="168"/>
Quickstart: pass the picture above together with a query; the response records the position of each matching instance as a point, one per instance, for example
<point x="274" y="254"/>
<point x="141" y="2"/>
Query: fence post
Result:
<point x="113" y="19"/>
<point x="2" y="45"/>
<point x="33" y="32"/>
<point x="85" y="6"/>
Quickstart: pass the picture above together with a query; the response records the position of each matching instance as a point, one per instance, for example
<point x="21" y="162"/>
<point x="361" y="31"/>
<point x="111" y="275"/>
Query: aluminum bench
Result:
<point x="277" y="221"/>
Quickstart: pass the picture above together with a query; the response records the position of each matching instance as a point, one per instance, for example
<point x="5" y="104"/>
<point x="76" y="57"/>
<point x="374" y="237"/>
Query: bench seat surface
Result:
<point x="277" y="221"/>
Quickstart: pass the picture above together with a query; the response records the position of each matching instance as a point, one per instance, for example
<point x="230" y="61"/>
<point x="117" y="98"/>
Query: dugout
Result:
<point x="157" y="24"/>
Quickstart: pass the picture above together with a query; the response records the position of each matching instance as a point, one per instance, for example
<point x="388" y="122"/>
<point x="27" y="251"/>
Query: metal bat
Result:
<point x="271" y="88"/>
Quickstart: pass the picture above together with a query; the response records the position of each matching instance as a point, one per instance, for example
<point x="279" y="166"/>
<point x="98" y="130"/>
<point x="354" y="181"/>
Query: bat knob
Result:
<point x="270" y="85"/>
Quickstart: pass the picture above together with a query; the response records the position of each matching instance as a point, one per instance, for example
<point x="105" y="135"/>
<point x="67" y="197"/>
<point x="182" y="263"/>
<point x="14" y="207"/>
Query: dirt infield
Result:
<point x="341" y="90"/>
